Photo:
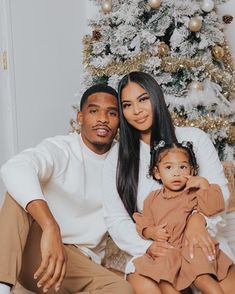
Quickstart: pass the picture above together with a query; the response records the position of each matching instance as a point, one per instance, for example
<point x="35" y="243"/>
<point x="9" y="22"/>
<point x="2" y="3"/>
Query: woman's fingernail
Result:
<point x="191" y="255"/>
<point x="39" y="285"/>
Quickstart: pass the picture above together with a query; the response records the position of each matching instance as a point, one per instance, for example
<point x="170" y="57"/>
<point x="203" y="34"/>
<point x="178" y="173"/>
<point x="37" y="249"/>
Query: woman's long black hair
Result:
<point x="129" y="148"/>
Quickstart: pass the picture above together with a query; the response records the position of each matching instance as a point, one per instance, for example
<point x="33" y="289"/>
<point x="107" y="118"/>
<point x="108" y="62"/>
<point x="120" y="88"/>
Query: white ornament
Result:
<point x="106" y="6"/>
<point x="207" y="5"/>
<point x="155" y="4"/>
<point x="195" y="24"/>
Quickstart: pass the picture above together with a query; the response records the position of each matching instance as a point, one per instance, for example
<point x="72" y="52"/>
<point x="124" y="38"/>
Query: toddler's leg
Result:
<point x="208" y="285"/>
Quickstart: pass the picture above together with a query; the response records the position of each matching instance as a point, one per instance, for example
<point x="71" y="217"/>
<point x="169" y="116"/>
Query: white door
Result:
<point x="43" y="44"/>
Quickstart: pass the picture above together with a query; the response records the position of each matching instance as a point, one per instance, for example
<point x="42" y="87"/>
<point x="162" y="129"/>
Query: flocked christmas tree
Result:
<point x="182" y="44"/>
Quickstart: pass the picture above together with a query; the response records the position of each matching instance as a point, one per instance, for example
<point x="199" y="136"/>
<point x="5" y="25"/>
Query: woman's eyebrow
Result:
<point x="141" y="95"/>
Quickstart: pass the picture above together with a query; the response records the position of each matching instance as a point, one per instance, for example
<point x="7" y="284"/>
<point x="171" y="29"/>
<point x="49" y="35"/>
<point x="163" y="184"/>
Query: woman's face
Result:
<point x="137" y="109"/>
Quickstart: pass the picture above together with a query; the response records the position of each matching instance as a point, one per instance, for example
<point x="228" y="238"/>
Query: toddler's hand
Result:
<point x="156" y="233"/>
<point x="196" y="182"/>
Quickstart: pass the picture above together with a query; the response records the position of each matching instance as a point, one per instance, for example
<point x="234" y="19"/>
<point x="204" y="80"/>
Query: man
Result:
<point x="57" y="185"/>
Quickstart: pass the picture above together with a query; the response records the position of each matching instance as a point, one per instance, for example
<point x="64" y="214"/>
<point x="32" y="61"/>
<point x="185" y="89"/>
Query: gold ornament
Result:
<point x="195" y="24"/>
<point x="227" y="18"/>
<point x="106" y="6"/>
<point x="154" y="4"/>
<point x="218" y="52"/>
<point x="195" y="85"/>
<point x="163" y="49"/>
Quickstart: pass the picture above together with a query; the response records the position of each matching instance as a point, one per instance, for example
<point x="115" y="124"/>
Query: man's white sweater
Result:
<point x="65" y="173"/>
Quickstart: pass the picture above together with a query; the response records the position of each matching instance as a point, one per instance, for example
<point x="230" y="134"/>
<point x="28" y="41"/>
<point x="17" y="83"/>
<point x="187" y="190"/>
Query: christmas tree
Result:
<point x="182" y="44"/>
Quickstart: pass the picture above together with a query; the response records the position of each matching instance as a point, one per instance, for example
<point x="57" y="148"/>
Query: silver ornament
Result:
<point x="207" y="5"/>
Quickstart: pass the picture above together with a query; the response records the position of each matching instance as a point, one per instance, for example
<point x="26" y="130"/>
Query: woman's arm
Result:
<point x="120" y="225"/>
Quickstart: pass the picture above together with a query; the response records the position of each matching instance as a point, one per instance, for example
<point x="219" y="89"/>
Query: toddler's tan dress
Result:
<point x="176" y="266"/>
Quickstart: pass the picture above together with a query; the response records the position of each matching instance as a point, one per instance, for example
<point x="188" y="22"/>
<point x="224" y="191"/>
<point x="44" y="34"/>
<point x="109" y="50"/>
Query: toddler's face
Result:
<point x="172" y="169"/>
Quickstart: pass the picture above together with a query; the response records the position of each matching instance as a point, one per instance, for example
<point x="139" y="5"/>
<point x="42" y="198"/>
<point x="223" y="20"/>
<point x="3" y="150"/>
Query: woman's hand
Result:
<point x="196" y="234"/>
<point x="156" y="233"/>
<point x="157" y="249"/>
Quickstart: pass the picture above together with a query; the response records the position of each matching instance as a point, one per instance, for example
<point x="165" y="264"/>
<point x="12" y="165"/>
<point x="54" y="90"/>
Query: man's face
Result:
<point x="99" y="121"/>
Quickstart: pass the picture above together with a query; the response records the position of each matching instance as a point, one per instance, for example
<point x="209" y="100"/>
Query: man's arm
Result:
<point x="53" y="265"/>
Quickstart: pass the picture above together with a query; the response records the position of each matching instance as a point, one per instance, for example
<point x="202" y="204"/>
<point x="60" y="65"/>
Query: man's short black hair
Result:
<point x="97" y="89"/>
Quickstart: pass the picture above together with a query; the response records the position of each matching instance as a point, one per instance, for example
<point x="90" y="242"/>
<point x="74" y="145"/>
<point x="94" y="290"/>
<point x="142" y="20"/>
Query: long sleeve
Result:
<point x="210" y="201"/>
<point x="120" y="225"/>
<point x="145" y="218"/>
<point x="24" y="174"/>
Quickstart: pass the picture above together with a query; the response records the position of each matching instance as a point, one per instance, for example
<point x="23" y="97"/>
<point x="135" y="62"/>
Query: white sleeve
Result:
<point x="25" y="172"/>
<point x="119" y="223"/>
<point x="211" y="168"/>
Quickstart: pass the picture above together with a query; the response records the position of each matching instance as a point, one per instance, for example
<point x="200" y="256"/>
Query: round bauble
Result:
<point x="218" y="52"/>
<point x="207" y="5"/>
<point x="106" y="6"/>
<point x="195" y="85"/>
<point x="155" y="4"/>
<point x="195" y="24"/>
<point x="163" y="49"/>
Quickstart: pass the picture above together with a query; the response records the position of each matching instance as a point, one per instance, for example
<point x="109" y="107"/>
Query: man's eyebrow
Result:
<point x="112" y="108"/>
<point x="98" y="106"/>
<point x="93" y="105"/>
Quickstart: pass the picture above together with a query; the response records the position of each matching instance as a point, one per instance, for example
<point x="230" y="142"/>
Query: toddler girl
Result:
<point x="164" y="218"/>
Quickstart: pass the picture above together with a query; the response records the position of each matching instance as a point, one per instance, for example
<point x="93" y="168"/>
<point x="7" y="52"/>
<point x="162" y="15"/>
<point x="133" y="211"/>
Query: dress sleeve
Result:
<point x="24" y="174"/>
<point x="120" y="225"/>
<point x="210" y="201"/>
<point x="144" y="219"/>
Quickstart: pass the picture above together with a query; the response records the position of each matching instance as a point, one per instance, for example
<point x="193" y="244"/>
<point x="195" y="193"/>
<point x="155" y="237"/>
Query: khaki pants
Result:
<point x="20" y="256"/>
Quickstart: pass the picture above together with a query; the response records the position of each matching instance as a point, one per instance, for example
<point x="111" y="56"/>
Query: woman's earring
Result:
<point x="76" y="126"/>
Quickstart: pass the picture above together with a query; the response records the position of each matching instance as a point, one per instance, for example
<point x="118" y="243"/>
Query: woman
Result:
<point x="145" y="119"/>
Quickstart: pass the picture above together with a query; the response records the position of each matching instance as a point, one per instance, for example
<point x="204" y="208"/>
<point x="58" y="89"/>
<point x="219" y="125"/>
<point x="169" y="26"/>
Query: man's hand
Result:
<point x="196" y="235"/>
<point x="157" y="249"/>
<point x="52" y="269"/>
